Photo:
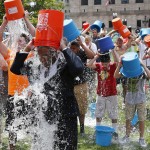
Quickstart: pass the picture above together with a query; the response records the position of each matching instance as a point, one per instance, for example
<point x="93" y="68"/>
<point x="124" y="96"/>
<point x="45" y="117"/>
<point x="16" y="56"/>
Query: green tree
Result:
<point x="40" y="4"/>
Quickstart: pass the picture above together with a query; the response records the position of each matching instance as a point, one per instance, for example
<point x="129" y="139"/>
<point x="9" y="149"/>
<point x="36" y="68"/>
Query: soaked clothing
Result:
<point x="131" y="109"/>
<point x="82" y="78"/>
<point x="135" y="91"/>
<point x="80" y="82"/>
<point x="61" y="103"/>
<point x="107" y="104"/>
<point x="136" y="97"/>
<point x="106" y="81"/>
<point x="80" y="92"/>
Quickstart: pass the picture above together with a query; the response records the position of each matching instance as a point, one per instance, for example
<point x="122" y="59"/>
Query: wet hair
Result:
<point x="104" y="58"/>
<point x="74" y="43"/>
<point x="26" y="37"/>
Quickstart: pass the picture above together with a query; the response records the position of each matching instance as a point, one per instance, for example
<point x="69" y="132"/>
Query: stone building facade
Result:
<point x="133" y="12"/>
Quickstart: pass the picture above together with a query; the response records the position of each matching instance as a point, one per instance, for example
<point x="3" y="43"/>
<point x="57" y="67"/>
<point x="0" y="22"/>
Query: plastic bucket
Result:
<point x="134" y="120"/>
<point x="131" y="65"/>
<point x="147" y="40"/>
<point x="49" y="29"/>
<point x="71" y="31"/>
<point x="104" y="135"/>
<point x="96" y="25"/>
<point x="105" y="44"/>
<point x="92" y="107"/>
<point x="85" y="25"/>
<point x="144" y="32"/>
<point x="124" y="31"/>
<point x="14" y="9"/>
<point x="117" y="23"/>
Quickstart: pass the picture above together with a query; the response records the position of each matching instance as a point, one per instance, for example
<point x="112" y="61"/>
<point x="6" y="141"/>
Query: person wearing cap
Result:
<point x="135" y="96"/>
<point x="106" y="90"/>
<point x="80" y="82"/>
<point x="16" y="84"/>
<point x="55" y="75"/>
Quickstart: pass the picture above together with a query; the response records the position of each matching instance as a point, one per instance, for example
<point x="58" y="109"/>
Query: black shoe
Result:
<point x="82" y="129"/>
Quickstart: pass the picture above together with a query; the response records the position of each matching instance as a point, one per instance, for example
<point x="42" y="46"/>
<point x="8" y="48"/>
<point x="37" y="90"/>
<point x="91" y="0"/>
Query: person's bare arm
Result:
<point x="117" y="73"/>
<point x="146" y="69"/>
<point x="146" y="54"/>
<point x="110" y="33"/>
<point x="90" y="54"/>
<point x="29" y="24"/>
<point x="91" y="63"/>
<point x="3" y="48"/>
<point x="128" y="43"/>
<point x="3" y="63"/>
<point x="115" y="55"/>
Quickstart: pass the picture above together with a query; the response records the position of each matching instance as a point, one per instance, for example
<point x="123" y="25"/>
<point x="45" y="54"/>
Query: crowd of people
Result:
<point x="69" y="76"/>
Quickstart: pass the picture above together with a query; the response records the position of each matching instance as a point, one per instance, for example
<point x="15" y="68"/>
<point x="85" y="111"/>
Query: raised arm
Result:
<point x="117" y="73"/>
<point x="90" y="54"/>
<point x="29" y="24"/>
<point x="3" y="48"/>
<point x="146" y="69"/>
<point x="146" y="54"/>
<point x="74" y="63"/>
<point x="18" y="62"/>
<point x="91" y="63"/>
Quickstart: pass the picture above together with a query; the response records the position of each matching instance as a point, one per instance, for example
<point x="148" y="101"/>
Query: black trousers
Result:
<point x="67" y="134"/>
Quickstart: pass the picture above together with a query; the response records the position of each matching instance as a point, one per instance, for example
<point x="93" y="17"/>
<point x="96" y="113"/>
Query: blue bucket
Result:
<point x="131" y="66"/>
<point x="97" y="25"/>
<point x="71" y="31"/>
<point x="92" y="107"/>
<point x="134" y="120"/>
<point x="105" y="44"/>
<point x="104" y="135"/>
<point x="144" y="32"/>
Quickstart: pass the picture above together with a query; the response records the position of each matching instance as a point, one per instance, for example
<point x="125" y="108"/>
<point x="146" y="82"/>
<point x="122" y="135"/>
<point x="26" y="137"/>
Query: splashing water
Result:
<point x="29" y="108"/>
<point x="15" y="28"/>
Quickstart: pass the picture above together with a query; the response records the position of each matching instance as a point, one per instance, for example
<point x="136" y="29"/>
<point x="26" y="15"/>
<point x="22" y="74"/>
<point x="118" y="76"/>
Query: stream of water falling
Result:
<point x="32" y="122"/>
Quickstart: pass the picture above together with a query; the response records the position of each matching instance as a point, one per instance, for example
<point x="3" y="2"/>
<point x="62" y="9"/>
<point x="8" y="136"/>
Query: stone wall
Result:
<point x="131" y="12"/>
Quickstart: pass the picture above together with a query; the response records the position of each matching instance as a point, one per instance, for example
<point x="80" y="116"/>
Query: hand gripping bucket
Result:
<point x="117" y="23"/>
<point x="147" y="40"/>
<point x="144" y="32"/>
<point x="131" y="65"/>
<point x="71" y="31"/>
<point x="49" y="28"/>
<point x="104" y="135"/>
<point x="14" y="9"/>
<point x="105" y="44"/>
<point x="85" y="25"/>
<point x="124" y="31"/>
<point x="97" y="25"/>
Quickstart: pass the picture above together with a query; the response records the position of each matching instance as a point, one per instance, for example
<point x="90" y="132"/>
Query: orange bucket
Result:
<point x="147" y="40"/>
<point x="85" y="25"/>
<point x="14" y="9"/>
<point x="49" y="29"/>
<point x="124" y="31"/>
<point x="117" y="23"/>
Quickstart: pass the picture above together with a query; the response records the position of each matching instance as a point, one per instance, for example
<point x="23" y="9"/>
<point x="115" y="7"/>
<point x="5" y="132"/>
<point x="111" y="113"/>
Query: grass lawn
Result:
<point x="88" y="141"/>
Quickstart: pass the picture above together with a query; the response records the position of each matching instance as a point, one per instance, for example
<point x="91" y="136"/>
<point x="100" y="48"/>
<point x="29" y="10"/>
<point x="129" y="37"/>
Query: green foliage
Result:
<point x="40" y="4"/>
